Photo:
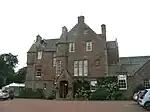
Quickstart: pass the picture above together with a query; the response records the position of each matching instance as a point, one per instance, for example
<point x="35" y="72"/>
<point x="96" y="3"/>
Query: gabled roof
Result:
<point x="130" y="64"/>
<point x="65" y="75"/>
<point x="147" y="64"/>
<point x="49" y="45"/>
<point x="78" y="30"/>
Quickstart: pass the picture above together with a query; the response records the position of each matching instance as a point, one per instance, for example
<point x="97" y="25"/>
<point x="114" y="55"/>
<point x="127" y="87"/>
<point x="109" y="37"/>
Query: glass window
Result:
<point x="54" y="59"/>
<point x="39" y="55"/>
<point x="75" y="68"/>
<point x="122" y="82"/>
<point x="72" y="47"/>
<point x="89" y="46"/>
<point x="146" y="83"/>
<point x="38" y="73"/>
<point x="58" y="68"/>
<point x="85" y="67"/>
<point x="80" y="68"/>
<point x="93" y="85"/>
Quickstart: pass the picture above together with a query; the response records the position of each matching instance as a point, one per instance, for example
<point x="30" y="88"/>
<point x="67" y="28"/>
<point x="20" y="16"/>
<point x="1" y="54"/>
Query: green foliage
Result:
<point x="20" y="75"/>
<point x="52" y="95"/>
<point x="10" y="59"/>
<point x="8" y="63"/>
<point x="82" y="94"/>
<point x="81" y="89"/>
<point x="108" y="89"/>
<point x="29" y="93"/>
<point x="99" y="94"/>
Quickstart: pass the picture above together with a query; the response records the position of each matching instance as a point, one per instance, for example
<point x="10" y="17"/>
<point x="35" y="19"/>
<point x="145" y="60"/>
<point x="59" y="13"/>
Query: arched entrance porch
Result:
<point x="63" y="91"/>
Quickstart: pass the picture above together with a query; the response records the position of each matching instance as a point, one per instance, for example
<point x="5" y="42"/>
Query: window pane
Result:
<point x="54" y="62"/>
<point x="85" y="67"/>
<point x="146" y="83"/>
<point x="39" y="55"/>
<point x="71" y="47"/>
<point x="89" y="46"/>
<point x="122" y="84"/>
<point x="58" y="67"/>
<point x="75" y="68"/>
<point x="80" y="68"/>
<point x="38" y="74"/>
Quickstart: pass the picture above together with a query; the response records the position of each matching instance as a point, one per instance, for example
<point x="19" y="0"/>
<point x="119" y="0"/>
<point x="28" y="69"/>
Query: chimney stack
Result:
<point x="81" y="19"/>
<point x="64" y="30"/>
<point x="103" y="28"/>
<point x="38" y="38"/>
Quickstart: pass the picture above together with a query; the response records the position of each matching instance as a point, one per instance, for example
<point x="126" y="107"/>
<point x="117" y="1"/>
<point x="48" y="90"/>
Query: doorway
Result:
<point x="63" y="89"/>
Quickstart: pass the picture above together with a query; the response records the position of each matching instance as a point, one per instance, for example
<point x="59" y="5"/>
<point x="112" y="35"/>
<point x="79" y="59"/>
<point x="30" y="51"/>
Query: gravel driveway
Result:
<point x="30" y="105"/>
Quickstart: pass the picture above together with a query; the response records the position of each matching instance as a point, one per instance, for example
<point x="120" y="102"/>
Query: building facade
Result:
<point x="78" y="53"/>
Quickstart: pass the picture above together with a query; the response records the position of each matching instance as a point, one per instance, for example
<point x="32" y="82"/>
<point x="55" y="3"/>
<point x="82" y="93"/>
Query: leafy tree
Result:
<point x="8" y="63"/>
<point x="19" y="77"/>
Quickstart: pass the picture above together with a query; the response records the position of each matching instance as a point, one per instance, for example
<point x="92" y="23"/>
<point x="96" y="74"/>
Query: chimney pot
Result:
<point x="103" y="27"/>
<point x="81" y="19"/>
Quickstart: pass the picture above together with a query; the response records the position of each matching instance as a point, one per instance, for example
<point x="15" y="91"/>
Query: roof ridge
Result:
<point x="141" y="67"/>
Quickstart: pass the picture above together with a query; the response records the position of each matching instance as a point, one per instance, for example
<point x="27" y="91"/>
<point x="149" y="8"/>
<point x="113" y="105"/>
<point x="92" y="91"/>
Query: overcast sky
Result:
<point x="22" y="20"/>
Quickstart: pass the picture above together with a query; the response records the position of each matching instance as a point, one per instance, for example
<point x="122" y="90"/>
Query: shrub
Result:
<point x="52" y="95"/>
<point x="29" y="93"/>
<point x="99" y="94"/>
<point x="81" y="89"/>
<point x="82" y="94"/>
<point x="108" y="89"/>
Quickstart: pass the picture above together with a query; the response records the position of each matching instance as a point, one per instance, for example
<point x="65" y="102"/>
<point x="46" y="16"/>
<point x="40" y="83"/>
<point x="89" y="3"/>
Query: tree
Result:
<point x="19" y="77"/>
<point x="8" y="63"/>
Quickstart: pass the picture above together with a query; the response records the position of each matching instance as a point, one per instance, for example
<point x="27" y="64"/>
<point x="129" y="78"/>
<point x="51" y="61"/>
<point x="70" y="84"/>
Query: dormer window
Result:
<point x="86" y="31"/>
<point x="39" y="55"/>
<point x="74" y="32"/>
<point x="71" y="47"/>
<point x="89" y="46"/>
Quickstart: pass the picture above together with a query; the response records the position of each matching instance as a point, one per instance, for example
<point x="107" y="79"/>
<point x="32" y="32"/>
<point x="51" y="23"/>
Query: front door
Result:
<point x="63" y="89"/>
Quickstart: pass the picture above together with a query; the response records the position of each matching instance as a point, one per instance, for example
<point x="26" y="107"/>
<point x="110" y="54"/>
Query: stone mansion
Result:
<point x="82" y="53"/>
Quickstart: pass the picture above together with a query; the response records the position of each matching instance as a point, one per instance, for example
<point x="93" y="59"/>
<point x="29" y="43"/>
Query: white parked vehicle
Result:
<point x="144" y="99"/>
<point x="4" y="95"/>
<point x="135" y="96"/>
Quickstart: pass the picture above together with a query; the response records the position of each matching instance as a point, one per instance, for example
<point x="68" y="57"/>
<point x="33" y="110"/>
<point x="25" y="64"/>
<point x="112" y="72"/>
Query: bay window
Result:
<point x="81" y="68"/>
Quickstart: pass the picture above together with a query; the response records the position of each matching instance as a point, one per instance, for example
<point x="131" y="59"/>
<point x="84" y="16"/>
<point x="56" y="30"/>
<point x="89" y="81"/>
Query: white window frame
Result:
<point x="89" y="46"/>
<point x="122" y="78"/>
<point x="71" y="47"/>
<point x="93" y="84"/>
<point x="39" y="55"/>
<point x="54" y="59"/>
<point x="81" y="68"/>
<point x="58" y="67"/>
<point x="76" y="68"/>
<point x="146" y="83"/>
<point x="85" y="64"/>
<point x="86" y="31"/>
<point x="38" y="71"/>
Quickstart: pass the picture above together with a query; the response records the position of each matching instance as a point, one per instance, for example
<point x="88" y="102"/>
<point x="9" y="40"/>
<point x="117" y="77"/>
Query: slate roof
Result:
<point x="49" y="45"/>
<point x="129" y="64"/>
<point x="72" y="35"/>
